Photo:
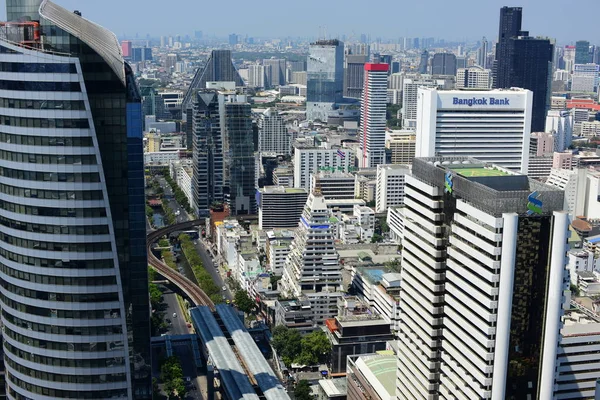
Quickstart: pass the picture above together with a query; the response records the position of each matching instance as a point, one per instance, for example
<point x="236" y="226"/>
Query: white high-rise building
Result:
<point x="280" y="207"/>
<point x="273" y="136"/>
<point x="256" y="76"/>
<point x="482" y="283"/>
<point x="410" y="87"/>
<point x="372" y="116"/>
<point x="493" y="125"/>
<point x="310" y="160"/>
<point x="390" y="186"/>
<point x="585" y="78"/>
<point x="573" y="182"/>
<point x="560" y="124"/>
<point x="474" y="77"/>
<point x="312" y="268"/>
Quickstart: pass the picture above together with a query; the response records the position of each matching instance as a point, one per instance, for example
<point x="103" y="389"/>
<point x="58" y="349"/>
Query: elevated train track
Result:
<point x="194" y="294"/>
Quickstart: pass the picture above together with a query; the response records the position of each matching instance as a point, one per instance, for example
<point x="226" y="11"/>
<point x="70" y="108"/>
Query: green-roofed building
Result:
<point x="372" y="376"/>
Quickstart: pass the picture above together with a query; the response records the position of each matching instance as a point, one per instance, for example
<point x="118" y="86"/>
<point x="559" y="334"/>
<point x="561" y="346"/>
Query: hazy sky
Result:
<point x="565" y="20"/>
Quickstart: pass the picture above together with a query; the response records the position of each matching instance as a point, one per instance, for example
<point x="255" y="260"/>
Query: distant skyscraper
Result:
<point x="482" y="283"/>
<point x="525" y="62"/>
<point x="325" y="83"/>
<point x="582" y="52"/>
<point x="482" y="54"/>
<point x="126" y="47"/>
<point x="256" y="76"/>
<point x="474" y="78"/>
<point x="424" y="62"/>
<point x="274" y="72"/>
<point x="443" y="64"/>
<point x="354" y="75"/>
<point x="197" y="34"/>
<point x="373" y="116"/>
<point x="75" y="307"/>
<point x="208" y="174"/>
<point x="233" y="39"/>
<point x="239" y="161"/>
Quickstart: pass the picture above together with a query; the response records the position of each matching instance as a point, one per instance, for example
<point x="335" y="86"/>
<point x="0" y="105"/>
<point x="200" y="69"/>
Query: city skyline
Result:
<point x="448" y="22"/>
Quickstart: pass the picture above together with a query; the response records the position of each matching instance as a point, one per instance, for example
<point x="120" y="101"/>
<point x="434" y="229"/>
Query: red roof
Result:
<point x="583" y="103"/>
<point x="376" y="67"/>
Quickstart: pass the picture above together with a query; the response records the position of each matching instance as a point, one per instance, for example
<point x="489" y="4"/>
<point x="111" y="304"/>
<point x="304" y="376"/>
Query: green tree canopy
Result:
<point x="243" y="301"/>
<point x="302" y="391"/>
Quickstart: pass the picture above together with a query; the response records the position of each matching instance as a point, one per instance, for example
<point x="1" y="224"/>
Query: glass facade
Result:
<point x="73" y="265"/>
<point x="239" y="137"/>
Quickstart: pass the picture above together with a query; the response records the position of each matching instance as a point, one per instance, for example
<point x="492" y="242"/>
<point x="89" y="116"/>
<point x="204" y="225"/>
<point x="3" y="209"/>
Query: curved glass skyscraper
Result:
<point x="73" y="270"/>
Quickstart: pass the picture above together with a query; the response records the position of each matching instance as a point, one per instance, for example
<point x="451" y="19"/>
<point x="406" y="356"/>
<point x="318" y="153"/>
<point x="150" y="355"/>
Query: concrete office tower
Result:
<point x="401" y="145"/>
<point x="280" y="207"/>
<point x="482" y="54"/>
<point x="273" y="137"/>
<point x="325" y="78"/>
<point x="574" y="183"/>
<point x="312" y="268"/>
<point x="274" y="71"/>
<point x="582" y="52"/>
<point x="585" y="78"/>
<point x="390" y="186"/>
<point x="474" y="77"/>
<point x="208" y="174"/>
<point x="411" y="85"/>
<point x="424" y="62"/>
<point x="524" y="62"/>
<point x="354" y="75"/>
<point x="372" y="116"/>
<point x="443" y="64"/>
<point x="560" y="124"/>
<point x="482" y="279"/>
<point x="578" y="363"/>
<point x="256" y="76"/>
<point x="239" y="165"/>
<point x="492" y="125"/>
<point x="75" y="308"/>
<point x="309" y="160"/>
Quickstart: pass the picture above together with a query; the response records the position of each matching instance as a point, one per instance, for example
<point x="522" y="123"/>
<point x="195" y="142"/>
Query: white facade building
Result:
<point x="334" y="185"/>
<point x="310" y="160"/>
<point x="492" y="126"/>
<point x="312" y="268"/>
<point x="585" y="78"/>
<point x="390" y="186"/>
<point x="474" y="77"/>
<point x="181" y="172"/>
<point x="256" y="76"/>
<point x="273" y="137"/>
<point x="160" y="158"/>
<point x="410" y="89"/>
<point x="395" y="220"/>
<point x="456" y="299"/>
<point x="573" y="182"/>
<point x="373" y="116"/>
<point x="578" y="364"/>
<point x="560" y="124"/>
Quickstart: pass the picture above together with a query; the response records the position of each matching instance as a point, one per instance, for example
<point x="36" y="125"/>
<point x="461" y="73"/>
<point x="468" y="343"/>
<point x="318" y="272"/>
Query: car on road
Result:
<point x="174" y="315"/>
<point x="224" y="288"/>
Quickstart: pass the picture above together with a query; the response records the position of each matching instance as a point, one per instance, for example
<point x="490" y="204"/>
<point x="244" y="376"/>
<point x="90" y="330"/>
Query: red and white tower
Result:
<point x="372" y="116"/>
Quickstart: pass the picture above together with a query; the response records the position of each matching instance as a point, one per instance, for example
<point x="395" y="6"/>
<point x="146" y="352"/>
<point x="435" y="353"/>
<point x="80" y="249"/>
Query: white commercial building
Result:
<point x="390" y="186"/>
<point x="492" y="126"/>
<point x="410" y="88"/>
<point x="578" y="364"/>
<point x="273" y="137"/>
<point x="181" y="172"/>
<point x="573" y="182"/>
<point x="162" y="158"/>
<point x="309" y="160"/>
<point x="334" y="185"/>
<point x="458" y="324"/>
<point x="395" y="220"/>
<point x="277" y="248"/>
<point x="373" y="116"/>
<point x="590" y="128"/>
<point x="585" y="78"/>
<point x="256" y="76"/>
<point x="560" y="124"/>
<point x="474" y="77"/>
